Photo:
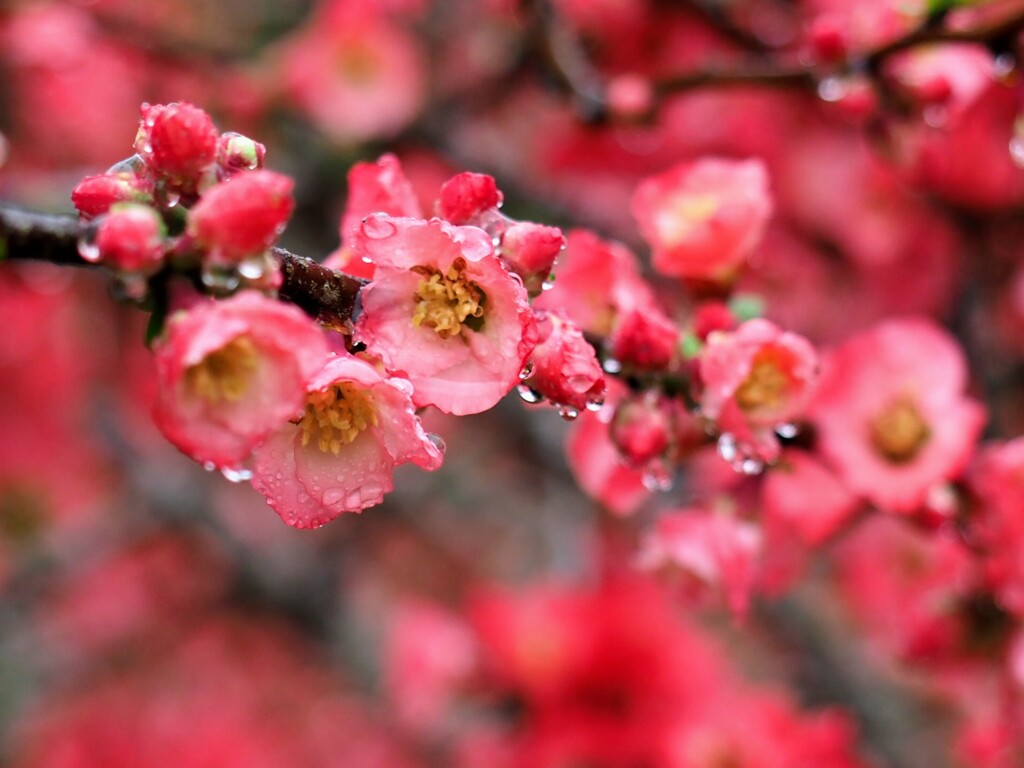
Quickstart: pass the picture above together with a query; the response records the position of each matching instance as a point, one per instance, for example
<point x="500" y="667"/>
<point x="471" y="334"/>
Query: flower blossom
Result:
<point x="891" y="413"/>
<point x="702" y="219"/>
<point x="339" y="455"/>
<point x="756" y="379"/>
<point x="444" y="312"/>
<point x="565" y="367"/>
<point x="230" y="372"/>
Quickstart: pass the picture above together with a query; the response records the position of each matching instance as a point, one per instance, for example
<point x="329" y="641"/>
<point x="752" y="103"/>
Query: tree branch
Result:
<point x="324" y="293"/>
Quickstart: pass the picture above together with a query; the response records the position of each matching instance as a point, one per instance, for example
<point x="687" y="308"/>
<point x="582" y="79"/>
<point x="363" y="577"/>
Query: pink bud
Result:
<point x="236" y="152"/>
<point x="177" y="141"/>
<point x="131" y="238"/>
<point x="645" y="338"/>
<point x="530" y="250"/>
<point x="641" y="429"/>
<point x="467" y="195"/>
<point x="565" y="367"/>
<point x="94" y="195"/>
<point x="242" y="216"/>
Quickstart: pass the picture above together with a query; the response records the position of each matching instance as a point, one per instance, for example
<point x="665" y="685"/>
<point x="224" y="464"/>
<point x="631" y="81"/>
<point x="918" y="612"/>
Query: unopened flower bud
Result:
<point x="467" y="195"/>
<point x="131" y="239"/>
<point x="94" y="195"/>
<point x="530" y="251"/>
<point x="236" y="152"/>
<point x="645" y="338"/>
<point x="565" y="366"/>
<point x="177" y="141"/>
<point x="642" y="429"/>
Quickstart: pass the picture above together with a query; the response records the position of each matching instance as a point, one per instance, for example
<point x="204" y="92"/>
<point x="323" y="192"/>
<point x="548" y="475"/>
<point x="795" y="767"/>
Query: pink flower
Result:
<point x="565" y="367"/>
<point x="891" y="414"/>
<point x="339" y="456"/>
<point x="230" y="372"/>
<point x="718" y="551"/>
<point x="703" y="218"/>
<point x="355" y="72"/>
<point x="444" y="312"/>
<point x="802" y="496"/>
<point x="380" y="187"/>
<point x="131" y="238"/>
<point x="466" y="195"/>
<point x="178" y="141"/>
<point x="243" y="216"/>
<point x="756" y="378"/>
<point x="997" y="481"/>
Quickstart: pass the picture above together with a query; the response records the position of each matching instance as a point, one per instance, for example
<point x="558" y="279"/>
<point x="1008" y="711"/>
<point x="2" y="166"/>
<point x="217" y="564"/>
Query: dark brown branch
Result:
<point x="323" y="293"/>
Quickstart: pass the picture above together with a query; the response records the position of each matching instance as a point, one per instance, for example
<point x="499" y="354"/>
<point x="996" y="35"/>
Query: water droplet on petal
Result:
<point x="220" y="279"/>
<point x="568" y="413"/>
<point x="333" y="496"/>
<point x="1003" y="65"/>
<point x="253" y="268"/>
<point x="831" y="89"/>
<point x="787" y="431"/>
<point x="595" y="405"/>
<point x="130" y="287"/>
<point x="727" y="449"/>
<point x="130" y="166"/>
<point x="236" y="474"/>
<point x="935" y="115"/>
<point x="549" y="282"/>
<point x="438" y="441"/>
<point x="527" y="371"/>
<point x="749" y="466"/>
<point x="87" y="247"/>
<point x="528" y="395"/>
<point x="378" y="228"/>
<point x="171" y="198"/>
<point x="209" y="466"/>
<point x="656" y="476"/>
<point x="611" y="365"/>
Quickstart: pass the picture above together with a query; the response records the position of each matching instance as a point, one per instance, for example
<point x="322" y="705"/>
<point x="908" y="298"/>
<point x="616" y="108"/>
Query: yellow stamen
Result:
<point x="444" y="302"/>
<point x="336" y="416"/>
<point x="764" y="388"/>
<point x="676" y="222"/>
<point x="223" y="375"/>
<point x="898" y="431"/>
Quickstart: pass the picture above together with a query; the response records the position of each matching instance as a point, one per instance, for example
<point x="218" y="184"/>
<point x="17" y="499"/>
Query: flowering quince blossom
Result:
<point x="719" y="551"/>
<point x="339" y="454"/>
<point x="177" y="141"/>
<point x="891" y="414"/>
<point x="230" y="372"/>
<point x="131" y="238"/>
<point x="444" y="312"/>
<point x="565" y="367"/>
<point x="755" y="379"/>
<point x="703" y="218"/>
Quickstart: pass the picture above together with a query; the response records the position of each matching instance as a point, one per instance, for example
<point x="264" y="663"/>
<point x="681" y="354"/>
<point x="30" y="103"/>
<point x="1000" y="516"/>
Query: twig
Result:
<point x="321" y="292"/>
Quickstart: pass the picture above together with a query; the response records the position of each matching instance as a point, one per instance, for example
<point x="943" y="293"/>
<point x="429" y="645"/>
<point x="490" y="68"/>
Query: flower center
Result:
<point x="764" y="388"/>
<point x="223" y="375"/>
<point x="336" y="416"/>
<point x="898" y="431"/>
<point x="684" y="214"/>
<point x="444" y="302"/>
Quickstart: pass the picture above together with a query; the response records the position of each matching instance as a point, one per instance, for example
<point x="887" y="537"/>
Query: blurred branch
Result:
<point x="321" y="292"/>
<point x="564" y="55"/>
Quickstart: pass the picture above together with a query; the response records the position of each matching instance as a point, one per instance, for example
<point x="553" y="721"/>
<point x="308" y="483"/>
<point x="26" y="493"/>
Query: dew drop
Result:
<point x="253" y="268"/>
<point x="87" y="247"/>
<point x="527" y="371"/>
<point x="831" y="89"/>
<point x="333" y="496"/>
<point x="611" y="365"/>
<point x="727" y="449"/>
<point x="749" y="466"/>
<point x="595" y="405"/>
<point x="130" y="166"/>
<point x="171" y="198"/>
<point x="656" y="477"/>
<point x="549" y="282"/>
<point x="787" y="431"/>
<point x="438" y="441"/>
<point x="1003" y="65"/>
<point x="209" y="466"/>
<point x="378" y="228"/>
<point x="528" y="394"/>
<point x="220" y="279"/>
<point x="129" y="287"/>
<point x="568" y="413"/>
<point x="236" y="474"/>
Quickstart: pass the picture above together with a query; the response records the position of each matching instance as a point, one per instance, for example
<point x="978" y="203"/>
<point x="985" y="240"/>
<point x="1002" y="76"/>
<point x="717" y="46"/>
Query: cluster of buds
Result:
<point x="190" y="197"/>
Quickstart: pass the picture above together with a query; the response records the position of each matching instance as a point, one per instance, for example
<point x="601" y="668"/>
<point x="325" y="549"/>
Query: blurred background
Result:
<point x="491" y="613"/>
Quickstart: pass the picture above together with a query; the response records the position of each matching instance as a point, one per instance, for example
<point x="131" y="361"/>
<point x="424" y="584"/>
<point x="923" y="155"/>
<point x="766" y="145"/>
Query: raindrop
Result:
<point x="209" y="466"/>
<point x="333" y="496"/>
<point x="87" y="247"/>
<point x="171" y="198"/>
<point x="438" y="441"/>
<point x="528" y="394"/>
<point x="1003" y="65"/>
<point x="527" y="371"/>
<point x="220" y="279"/>
<point x="568" y="413"/>
<point x="787" y="431"/>
<point x="611" y="365"/>
<point x="548" y="283"/>
<point x="831" y="89"/>
<point x="656" y="477"/>
<point x="378" y="228"/>
<point x="727" y="448"/>
<point x="749" y="466"/>
<point x="129" y="287"/>
<point x="236" y="474"/>
<point x="130" y="166"/>
<point x="595" y="405"/>
<point x="253" y="268"/>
